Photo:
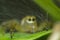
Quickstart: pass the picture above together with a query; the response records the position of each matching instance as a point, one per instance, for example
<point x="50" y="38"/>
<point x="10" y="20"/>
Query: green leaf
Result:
<point x="24" y="36"/>
<point x="50" y="7"/>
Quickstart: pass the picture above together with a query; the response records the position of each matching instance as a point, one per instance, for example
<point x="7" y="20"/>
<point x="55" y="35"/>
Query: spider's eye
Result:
<point x="33" y="19"/>
<point x="29" y="19"/>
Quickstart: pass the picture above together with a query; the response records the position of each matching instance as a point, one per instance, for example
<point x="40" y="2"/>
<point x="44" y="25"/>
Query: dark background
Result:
<point x="17" y="9"/>
<point x="57" y="3"/>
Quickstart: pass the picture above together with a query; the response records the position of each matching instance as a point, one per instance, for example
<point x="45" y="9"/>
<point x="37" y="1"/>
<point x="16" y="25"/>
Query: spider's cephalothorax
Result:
<point x="29" y="24"/>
